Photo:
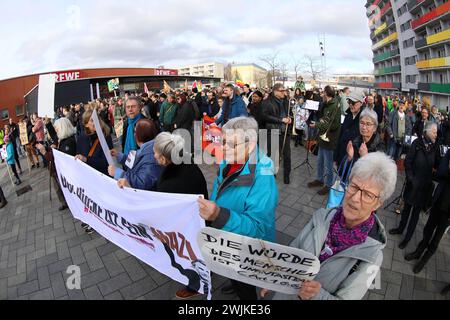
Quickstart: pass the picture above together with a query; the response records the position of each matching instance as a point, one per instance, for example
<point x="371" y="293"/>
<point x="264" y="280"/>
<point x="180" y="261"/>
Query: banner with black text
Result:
<point x="158" y="228"/>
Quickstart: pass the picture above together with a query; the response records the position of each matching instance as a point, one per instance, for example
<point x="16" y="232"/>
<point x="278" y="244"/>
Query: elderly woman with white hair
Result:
<point x="65" y="142"/>
<point x="368" y="139"/>
<point x="245" y="193"/>
<point x="348" y="241"/>
<point x="178" y="177"/>
<point x="422" y="158"/>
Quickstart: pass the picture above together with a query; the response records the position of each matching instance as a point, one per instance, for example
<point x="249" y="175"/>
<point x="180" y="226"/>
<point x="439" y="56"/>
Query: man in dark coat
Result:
<point x="420" y="161"/>
<point x="276" y="116"/>
<point x="350" y="127"/>
<point x="439" y="218"/>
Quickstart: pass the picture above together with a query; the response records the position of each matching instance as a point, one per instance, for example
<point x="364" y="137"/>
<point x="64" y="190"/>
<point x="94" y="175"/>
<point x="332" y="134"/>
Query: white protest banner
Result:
<point x="257" y="262"/>
<point x="312" y="105"/>
<point x="101" y="138"/>
<point x="158" y="228"/>
<point x="46" y="96"/>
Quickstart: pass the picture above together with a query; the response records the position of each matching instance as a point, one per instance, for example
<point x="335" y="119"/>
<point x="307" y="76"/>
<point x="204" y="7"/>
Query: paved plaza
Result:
<point x="38" y="243"/>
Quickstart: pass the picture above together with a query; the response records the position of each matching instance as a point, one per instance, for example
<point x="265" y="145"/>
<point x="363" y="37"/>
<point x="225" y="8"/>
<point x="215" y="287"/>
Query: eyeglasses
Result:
<point x="366" y="124"/>
<point x="366" y="196"/>
<point x="231" y="144"/>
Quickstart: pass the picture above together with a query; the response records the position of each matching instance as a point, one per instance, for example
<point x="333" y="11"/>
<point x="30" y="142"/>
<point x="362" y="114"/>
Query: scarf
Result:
<point x="130" y="142"/>
<point x="340" y="238"/>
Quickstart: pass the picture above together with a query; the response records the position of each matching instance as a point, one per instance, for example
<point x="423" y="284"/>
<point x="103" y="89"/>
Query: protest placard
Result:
<point x="118" y="128"/>
<point x="101" y="138"/>
<point x="257" y="262"/>
<point x="46" y="96"/>
<point x="23" y="133"/>
<point x="312" y="105"/>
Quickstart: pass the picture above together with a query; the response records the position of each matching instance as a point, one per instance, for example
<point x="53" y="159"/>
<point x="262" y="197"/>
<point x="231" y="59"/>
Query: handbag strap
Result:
<point x="94" y="146"/>
<point x="350" y="167"/>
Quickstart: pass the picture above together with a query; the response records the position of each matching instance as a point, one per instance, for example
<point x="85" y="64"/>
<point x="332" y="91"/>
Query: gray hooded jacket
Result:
<point x="348" y="274"/>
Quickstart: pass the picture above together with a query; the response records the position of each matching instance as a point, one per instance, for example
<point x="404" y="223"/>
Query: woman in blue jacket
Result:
<point x="144" y="170"/>
<point x="245" y="193"/>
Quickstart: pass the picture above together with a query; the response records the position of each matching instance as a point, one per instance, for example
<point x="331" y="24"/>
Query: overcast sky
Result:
<point x="40" y="36"/>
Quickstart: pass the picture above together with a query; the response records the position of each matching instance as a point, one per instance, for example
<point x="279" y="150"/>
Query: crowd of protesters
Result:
<point x="376" y="133"/>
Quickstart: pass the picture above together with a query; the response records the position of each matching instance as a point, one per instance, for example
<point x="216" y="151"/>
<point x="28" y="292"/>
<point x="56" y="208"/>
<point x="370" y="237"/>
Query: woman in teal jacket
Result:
<point x="245" y="193"/>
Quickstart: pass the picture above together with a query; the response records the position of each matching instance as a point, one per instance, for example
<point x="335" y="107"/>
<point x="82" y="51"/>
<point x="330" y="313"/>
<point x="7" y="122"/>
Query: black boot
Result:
<point x="403" y="244"/>
<point x="421" y="264"/>
<point x="3" y="201"/>
<point x="416" y="254"/>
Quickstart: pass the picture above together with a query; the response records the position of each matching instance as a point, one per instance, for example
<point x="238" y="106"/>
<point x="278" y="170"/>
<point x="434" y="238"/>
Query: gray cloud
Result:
<point x="149" y="33"/>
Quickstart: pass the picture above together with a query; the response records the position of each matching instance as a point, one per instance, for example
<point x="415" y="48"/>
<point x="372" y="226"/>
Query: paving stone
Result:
<point x="58" y="285"/>
<point x="43" y="278"/>
<point x="48" y="259"/>
<point x="114" y="296"/>
<point x="93" y="278"/>
<point x="407" y="288"/>
<point x="283" y="222"/>
<point x="112" y="264"/>
<point x="392" y="292"/>
<point x="422" y="295"/>
<point x="93" y="293"/>
<point x="60" y="266"/>
<point x="94" y="261"/>
<point x="17" y="279"/>
<point x="133" y="268"/>
<point x="63" y="251"/>
<point x="28" y="288"/>
<point x="116" y="283"/>
<point x="46" y="294"/>
<point x="77" y="255"/>
<point x="138" y="289"/>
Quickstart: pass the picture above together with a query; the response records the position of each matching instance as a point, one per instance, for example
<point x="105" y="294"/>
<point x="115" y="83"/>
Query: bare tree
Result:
<point x="271" y="60"/>
<point x="227" y="73"/>
<point x="297" y="65"/>
<point x="312" y="67"/>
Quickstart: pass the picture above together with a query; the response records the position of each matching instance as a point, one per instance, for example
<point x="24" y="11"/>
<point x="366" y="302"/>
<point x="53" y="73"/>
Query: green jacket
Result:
<point x="167" y="113"/>
<point x="331" y="121"/>
<point x="2" y="137"/>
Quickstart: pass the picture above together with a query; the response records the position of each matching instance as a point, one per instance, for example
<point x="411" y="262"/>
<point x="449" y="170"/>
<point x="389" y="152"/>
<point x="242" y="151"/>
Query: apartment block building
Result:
<point x="411" y="47"/>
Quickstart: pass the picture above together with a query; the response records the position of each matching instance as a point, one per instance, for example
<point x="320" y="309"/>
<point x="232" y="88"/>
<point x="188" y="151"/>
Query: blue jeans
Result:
<point x="325" y="167"/>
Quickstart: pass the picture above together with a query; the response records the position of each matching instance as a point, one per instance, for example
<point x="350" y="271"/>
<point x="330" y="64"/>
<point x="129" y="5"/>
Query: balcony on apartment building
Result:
<point x="434" y="87"/>
<point x="378" y="15"/>
<point x="435" y="39"/>
<point x="386" y="55"/>
<point x="392" y="37"/>
<point x="388" y="85"/>
<point x="436" y="63"/>
<point x="387" y="70"/>
<point x="439" y="12"/>
<point x="384" y="26"/>
<point x="414" y="4"/>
